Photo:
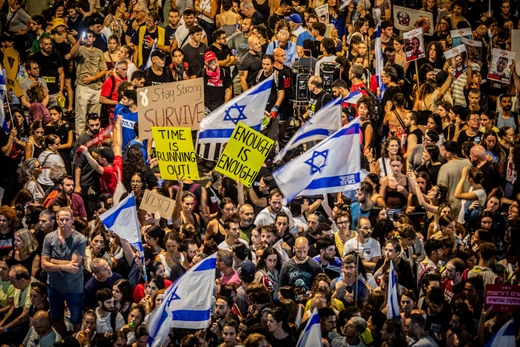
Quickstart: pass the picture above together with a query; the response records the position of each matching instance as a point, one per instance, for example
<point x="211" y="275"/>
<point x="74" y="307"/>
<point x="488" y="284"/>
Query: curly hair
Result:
<point x="134" y="163"/>
<point x="9" y="213"/>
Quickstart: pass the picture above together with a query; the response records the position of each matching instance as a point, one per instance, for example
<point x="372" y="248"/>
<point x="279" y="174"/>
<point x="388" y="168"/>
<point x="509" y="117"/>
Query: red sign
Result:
<point x="502" y="297"/>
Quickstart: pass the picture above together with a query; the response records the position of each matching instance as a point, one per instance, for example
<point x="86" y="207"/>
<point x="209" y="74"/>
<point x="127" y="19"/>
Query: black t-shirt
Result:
<point x="221" y="54"/>
<point x="131" y="32"/>
<point x="49" y="66"/>
<point x="463" y="137"/>
<point x="194" y="56"/>
<point x="176" y="271"/>
<point x="145" y="50"/>
<point x="152" y="79"/>
<point x="285" y="110"/>
<point x="252" y="64"/>
<point x="317" y="101"/>
<point x="215" y="93"/>
<point x="169" y="33"/>
<point x="277" y="85"/>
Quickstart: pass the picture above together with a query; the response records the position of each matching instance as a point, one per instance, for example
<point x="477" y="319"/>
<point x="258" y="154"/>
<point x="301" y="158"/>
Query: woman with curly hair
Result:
<point x="7" y="219"/>
<point x="25" y="251"/>
<point x="50" y="160"/>
<point x="97" y="248"/>
<point x="115" y="20"/>
<point x="138" y="186"/>
<point x="37" y="93"/>
<point x="135" y="163"/>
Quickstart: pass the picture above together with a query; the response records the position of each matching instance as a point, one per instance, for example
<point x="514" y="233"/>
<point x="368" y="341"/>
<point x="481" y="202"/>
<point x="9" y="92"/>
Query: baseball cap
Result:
<point x="247" y="271"/>
<point x="158" y="53"/>
<point x="105" y="152"/>
<point x="295" y="18"/>
<point x="209" y="56"/>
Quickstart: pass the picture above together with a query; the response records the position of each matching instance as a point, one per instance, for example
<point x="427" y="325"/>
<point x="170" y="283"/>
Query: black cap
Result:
<point x="158" y="53"/>
<point x="105" y="152"/>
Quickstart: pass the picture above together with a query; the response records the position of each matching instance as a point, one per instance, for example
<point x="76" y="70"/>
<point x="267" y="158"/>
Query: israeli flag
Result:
<point x="3" y="92"/>
<point x="122" y="221"/>
<point x="324" y="123"/>
<point x="353" y="97"/>
<point x="331" y="166"/>
<point x="505" y="337"/>
<point x="380" y="62"/>
<point x="392" y="311"/>
<point x="186" y="304"/>
<point x="149" y="61"/>
<point x="247" y="108"/>
<point x="311" y="336"/>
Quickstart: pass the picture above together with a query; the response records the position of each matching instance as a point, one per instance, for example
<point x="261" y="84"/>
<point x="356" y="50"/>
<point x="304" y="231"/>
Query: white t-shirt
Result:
<point x="366" y="251"/>
<point x="464" y="204"/>
<point x="48" y="161"/>
<point x="103" y="324"/>
<point x="182" y="34"/>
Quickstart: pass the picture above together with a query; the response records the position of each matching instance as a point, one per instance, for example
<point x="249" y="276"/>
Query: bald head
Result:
<point x="477" y="154"/>
<point x="301" y="241"/>
<point x="42" y="323"/>
<point x="254" y="44"/>
<point x="41" y="316"/>
<point x="278" y="52"/>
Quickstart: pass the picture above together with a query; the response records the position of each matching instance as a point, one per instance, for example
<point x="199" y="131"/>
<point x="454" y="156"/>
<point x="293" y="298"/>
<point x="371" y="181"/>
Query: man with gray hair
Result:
<point x="353" y="329"/>
<point x="283" y="41"/>
<point x="103" y="277"/>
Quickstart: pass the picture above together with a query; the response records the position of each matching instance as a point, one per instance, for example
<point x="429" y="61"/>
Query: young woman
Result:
<point x="215" y="229"/>
<point x="280" y="333"/>
<point x="154" y="237"/>
<point x="183" y="210"/>
<point x="60" y="127"/>
<point x="476" y="191"/>
<point x="400" y="54"/>
<point x="171" y="256"/>
<point x="382" y="166"/>
<point x="50" y="160"/>
<point x="115" y="20"/>
<point x="268" y="269"/>
<point x="97" y="248"/>
<point x="34" y="147"/>
<point x="364" y="106"/>
<point x="494" y="151"/>
<point x="394" y="118"/>
<point x="394" y="187"/>
<point x="25" y="251"/>
<point x="86" y="335"/>
<point x="122" y="291"/>
<point x="112" y="54"/>
<point x="135" y="319"/>
<point x="344" y="233"/>
<point x="431" y="161"/>
<point x="443" y="110"/>
<point x="39" y="300"/>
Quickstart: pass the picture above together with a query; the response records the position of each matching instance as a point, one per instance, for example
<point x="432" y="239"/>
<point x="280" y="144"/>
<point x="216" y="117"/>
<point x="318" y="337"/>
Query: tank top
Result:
<point x="394" y="199"/>
<point x="205" y="6"/>
<point x="262" y="8"/>
<point x="36" y="150"/>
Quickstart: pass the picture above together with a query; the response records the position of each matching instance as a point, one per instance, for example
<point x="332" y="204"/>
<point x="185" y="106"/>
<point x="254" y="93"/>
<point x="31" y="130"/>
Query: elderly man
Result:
<point x="14" y="325"/>
<point x="41" y="334"/>
<point x="283" y="41"/>
<point x="103" y="277"/>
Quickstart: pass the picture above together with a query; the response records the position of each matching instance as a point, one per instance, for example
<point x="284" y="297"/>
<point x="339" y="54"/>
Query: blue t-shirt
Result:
<point x="302" y="37"/>
<point x="356" y="212"/>
<point x="127" y="126"/>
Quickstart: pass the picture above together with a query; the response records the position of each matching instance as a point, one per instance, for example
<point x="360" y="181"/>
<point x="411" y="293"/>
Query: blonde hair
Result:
<point x="29" y="243"/>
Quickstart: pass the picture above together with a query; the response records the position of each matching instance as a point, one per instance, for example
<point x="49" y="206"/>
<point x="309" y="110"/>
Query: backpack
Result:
<point x="133" y="145"/>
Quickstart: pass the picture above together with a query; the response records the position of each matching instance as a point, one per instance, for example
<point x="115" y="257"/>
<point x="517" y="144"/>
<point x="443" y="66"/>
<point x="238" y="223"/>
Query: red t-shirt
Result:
<point x="111" y="175"/>
<point x="107" y="87"/>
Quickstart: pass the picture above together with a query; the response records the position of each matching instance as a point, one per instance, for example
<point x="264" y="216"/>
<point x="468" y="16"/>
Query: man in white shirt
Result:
<point x="368" y="248"/>
<point x="268" y="215"/>
<point x="328" y="49"/>
<point x="232" y="228"/>
<point x="182" y="34"/>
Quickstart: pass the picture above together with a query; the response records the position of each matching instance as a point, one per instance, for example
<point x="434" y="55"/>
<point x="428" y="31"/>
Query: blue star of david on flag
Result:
<point x="318" y="161"/>
<point x="240" y="110"/>
<point x="174" y="296"/>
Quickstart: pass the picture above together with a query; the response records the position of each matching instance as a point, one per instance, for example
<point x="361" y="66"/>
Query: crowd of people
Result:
<point x="439" y="197"/>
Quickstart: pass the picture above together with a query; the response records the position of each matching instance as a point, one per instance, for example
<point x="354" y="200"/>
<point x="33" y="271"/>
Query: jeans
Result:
<point x="74" y="303"/>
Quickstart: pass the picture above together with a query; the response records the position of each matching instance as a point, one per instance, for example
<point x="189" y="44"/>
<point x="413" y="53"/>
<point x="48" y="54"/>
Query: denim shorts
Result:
<point x="57" y="301"/>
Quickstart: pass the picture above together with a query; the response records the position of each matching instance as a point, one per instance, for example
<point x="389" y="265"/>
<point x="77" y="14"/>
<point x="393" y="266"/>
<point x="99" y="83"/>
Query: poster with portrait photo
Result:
<point x="474" y="48"/>
<point x="458" y="34"/>
<point x="414" y="44"/>
<point x="458" y="58"/>
<point x="405" y="19"/>
<point x="323" y="13"/>
<point x="501" y="62"/>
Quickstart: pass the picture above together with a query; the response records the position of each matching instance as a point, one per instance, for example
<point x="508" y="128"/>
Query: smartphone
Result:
<point x="84" y="35"/>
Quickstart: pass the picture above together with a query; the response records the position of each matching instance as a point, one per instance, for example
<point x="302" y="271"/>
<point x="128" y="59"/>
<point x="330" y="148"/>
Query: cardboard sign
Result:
<point x="501" y="62"/>
<point x="414" y="44"/>
<point x="174" y="151"/>
<point x="457" y="35"/>
<point x="474" y="48"/>
<point x="323" y="13"/>
<point x="405" y="19"/>
<point x="244" y="154"/>
<point x="12" y="65"/>
<point x="502" y="297"/>
<point x="153" y="202"/>
<point x="458" y="58"/>
<point x="177" y="104"/>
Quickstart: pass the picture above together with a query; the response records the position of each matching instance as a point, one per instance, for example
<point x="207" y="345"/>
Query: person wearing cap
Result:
<point x="90" y="71"/>
<point x="109" y="161"/>
<point x="95" y="23"/>
<point x="149" y="35"/>
<point x="217" y="82"/>
<point x="182" y="34"/>
<point x="295" y="21"/>
<point x="157" y="74"/>
<point x="195" y="49"/>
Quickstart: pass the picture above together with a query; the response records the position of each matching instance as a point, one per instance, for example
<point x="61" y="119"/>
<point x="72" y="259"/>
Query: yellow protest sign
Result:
<point x="12" y="64"/>
<point x="244" y="154"/>
<point x="174" y="150"/>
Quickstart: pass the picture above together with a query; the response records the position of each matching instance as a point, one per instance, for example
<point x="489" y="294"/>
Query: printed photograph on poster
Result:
<point x="405" y="19"/>
<point x="474" y="49"/>
<point x="414" y="44"/>
<point x="323" y="13"/>
<point x="501" y="62"/>
<point x="458" y="58"/>
<point x="457" y="35"/>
